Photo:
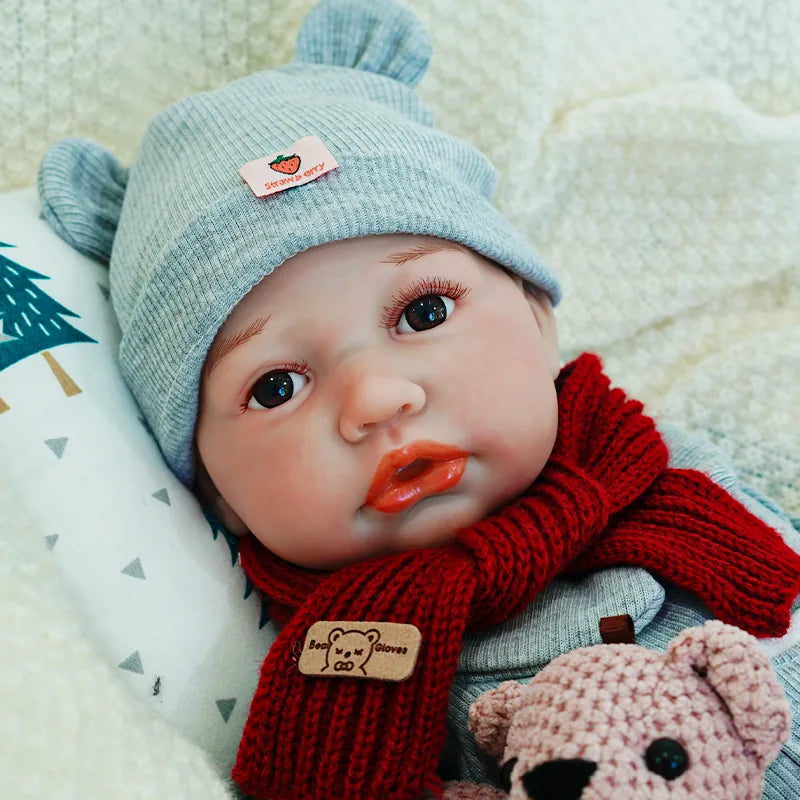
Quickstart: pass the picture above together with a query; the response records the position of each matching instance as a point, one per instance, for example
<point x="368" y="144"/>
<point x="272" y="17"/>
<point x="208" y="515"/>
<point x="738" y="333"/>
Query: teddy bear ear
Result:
<point x="740" y="673"/>
<point x="374" y="35"/>
<point x="335" y="634"/>
<point x="489" y="717"/>
<point x="81" y="188"/>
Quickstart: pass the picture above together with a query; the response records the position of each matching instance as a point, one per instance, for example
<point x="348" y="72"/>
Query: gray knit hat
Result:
<point x="186" y="238"/>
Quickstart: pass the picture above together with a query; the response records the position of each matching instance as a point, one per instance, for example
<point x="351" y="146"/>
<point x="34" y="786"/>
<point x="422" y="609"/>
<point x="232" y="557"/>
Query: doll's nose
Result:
<point x="378" y="402"/>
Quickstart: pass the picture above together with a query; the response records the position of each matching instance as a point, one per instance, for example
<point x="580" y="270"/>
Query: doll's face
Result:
<point x="355" y="349"/>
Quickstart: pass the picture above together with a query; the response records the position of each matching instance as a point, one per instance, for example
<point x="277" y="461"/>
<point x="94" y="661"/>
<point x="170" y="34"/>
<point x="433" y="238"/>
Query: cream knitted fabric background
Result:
<point x="651" y="150"/>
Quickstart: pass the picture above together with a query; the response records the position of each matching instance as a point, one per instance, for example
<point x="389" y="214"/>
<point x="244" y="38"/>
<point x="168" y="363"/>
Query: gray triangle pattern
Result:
<point x="104" y="290"/>
<point x="225" y="707"/>
<point x="133" y="663"/>
<point x="50" y="541"/>
<point x="57" y="445"/>
<point x="134" y="569"/>
<point x="163" y="496"/>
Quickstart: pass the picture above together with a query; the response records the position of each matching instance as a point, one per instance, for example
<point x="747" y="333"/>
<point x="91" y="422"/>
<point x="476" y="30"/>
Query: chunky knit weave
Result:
<point x="595" y="720"/>
<point x="310" y="737"/>
<point x="688" y="530"/>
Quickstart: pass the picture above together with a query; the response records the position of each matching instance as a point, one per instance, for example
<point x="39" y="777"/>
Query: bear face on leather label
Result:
<point x="345" y="649"/>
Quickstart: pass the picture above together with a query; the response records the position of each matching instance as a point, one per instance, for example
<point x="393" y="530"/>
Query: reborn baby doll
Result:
<point x="426" y="362"/>
<point x="383" y="419"/>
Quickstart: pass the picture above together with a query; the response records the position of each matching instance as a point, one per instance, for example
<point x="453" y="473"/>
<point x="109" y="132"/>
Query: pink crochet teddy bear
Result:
<point x="699" y="722"/>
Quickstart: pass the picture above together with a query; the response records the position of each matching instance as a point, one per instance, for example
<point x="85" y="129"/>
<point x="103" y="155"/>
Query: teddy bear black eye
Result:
<point x="338" y="651"/>
<point x="505" y="773"/>
<point x="359" y="652"/>
<point x="667" y="758"/>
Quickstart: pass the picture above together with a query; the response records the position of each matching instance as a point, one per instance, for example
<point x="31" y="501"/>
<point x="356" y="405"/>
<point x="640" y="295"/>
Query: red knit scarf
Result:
<point x="605" y="497"/>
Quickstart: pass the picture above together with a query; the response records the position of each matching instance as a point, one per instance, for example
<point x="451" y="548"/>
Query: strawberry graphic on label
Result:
<point x="286" y="164"/>
<point x="299" y="163"/>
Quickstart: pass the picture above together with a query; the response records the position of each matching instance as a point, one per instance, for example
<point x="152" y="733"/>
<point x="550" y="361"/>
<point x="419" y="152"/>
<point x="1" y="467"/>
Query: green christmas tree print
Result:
<point x="32" y="322"/>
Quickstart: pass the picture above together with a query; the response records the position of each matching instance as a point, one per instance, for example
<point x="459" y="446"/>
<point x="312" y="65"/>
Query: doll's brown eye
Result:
<point x="275" y="388"/>
<point x="425" y="312"/>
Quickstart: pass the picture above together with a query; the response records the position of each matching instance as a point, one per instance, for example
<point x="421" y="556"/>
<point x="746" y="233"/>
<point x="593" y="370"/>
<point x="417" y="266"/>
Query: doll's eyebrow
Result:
<point x="229" y="343"/>
<point x="420" y="250"/>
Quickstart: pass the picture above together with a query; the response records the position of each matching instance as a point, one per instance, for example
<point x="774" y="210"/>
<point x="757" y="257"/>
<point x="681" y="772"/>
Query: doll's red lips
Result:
<point x="406" y="475"/>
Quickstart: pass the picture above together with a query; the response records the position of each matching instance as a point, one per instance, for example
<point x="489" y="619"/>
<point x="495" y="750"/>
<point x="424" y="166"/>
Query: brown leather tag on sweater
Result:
<point x="617" y="630"/>
<point x="383" y="650"/>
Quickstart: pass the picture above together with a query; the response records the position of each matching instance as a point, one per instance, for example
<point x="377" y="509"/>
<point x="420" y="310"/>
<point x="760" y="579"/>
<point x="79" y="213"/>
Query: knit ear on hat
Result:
<point x="740" y="673"/>
<point x="489" y="717"/>
<point x="373" y="35"/>
<point x="81" y="187"/>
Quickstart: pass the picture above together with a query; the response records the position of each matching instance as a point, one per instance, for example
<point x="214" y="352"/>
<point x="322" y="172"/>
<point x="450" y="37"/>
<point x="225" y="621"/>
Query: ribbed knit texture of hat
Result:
<point x="187" y="238"/>
<point x="605" y="496"/>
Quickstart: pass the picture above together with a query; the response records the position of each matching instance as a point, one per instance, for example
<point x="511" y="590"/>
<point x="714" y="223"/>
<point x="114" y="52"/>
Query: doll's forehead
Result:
<point x="394" y="250"/>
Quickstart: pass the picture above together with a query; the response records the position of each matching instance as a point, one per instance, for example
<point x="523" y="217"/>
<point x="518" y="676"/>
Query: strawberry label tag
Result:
<point x="383" y="650"/>
<point x="299" y="163"/>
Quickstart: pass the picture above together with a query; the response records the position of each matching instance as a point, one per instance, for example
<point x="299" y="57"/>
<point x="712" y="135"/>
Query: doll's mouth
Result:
<point x="411" y="473"/>
<point x="415" y="468"/>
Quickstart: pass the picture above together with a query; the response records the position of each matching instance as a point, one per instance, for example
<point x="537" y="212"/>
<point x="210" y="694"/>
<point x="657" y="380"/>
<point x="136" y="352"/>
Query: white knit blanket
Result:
<point x="651" y="150"/>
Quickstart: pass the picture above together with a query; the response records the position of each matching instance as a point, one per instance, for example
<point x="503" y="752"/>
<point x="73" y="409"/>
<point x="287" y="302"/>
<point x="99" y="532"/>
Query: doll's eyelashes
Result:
<point x="423" y="305"/>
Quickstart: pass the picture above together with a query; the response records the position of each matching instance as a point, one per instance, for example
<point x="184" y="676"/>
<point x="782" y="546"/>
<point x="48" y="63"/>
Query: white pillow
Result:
<point x="161" y="589"/>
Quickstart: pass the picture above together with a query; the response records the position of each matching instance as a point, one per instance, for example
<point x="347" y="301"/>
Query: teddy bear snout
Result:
<point x="561" y="779"/>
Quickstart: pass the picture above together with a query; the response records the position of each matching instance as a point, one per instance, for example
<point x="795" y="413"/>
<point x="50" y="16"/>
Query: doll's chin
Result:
<point x="429" y="522"/>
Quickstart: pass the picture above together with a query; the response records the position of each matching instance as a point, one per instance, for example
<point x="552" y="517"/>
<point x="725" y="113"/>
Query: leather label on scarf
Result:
<point x="382" y="650"/>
